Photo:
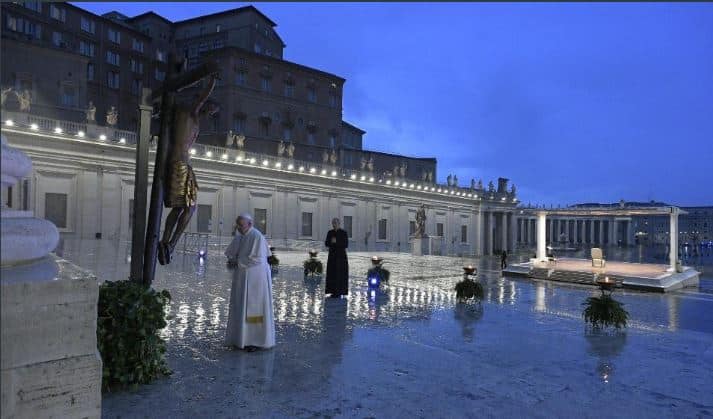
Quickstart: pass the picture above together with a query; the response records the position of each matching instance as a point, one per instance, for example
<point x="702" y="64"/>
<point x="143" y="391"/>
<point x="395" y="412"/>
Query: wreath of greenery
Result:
<point x="604" y="311"/>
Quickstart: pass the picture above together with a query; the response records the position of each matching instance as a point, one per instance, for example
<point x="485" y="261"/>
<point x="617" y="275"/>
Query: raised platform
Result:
<point x="642" y="276"/>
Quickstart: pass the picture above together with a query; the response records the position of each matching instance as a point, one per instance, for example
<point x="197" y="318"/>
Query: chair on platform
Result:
<point x="598" y="258"/>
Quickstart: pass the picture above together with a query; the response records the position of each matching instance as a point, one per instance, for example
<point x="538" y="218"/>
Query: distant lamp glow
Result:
<point x="122" y="140"/>
<point x="10" y="123"/>
<point x="80" y="134"/>
<point x="278" y="165"/>
<point x="334" y="173"/>
<point x="265" y="162"/>
<point x="418" y="187"/>
<point x="58" y="130"/>
<point x="290" y="166"/>
<point x="323" y="172"/>
<point x="224" y="156"/>
<point x="433" y="189"/>
<point x="371" y="179"/>
<point x="312" y="170"/>
<point x="470" y="195"/>
<point x="238" y="158"/>
<point x="388" y="182"/>
<point x="209" y="154"/>
<point x="362" y="178"/>
<point x="440" y="190"/>
<point x="352" y="177"/>
<point x="475" y="196"/>
<point x="252" y="160"/>
<point x="193" y="151"/>
<point x="35" y="127"/>
<point x="396" y="183"/>
<point x="412" y="186"/>
<point x="302" y="169"/>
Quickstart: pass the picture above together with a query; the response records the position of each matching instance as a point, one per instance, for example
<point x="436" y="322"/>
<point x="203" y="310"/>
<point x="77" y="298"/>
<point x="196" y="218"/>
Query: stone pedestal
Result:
<point x="49" y="362"/>
<point x="421" y="246"/>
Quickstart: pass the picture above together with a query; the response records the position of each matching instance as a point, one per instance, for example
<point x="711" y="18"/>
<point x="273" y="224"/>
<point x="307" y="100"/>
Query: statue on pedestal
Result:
<point x="25" y="100"/>
<point x="5" y="93"/>
<point x="325" y="156"/>
<point x="512" y="189"/>
<point x="112" y="116"/>
<point x="290" y="150"/>
<point x="280" y="149"/>
<point x="449" y="180"/>
<point x="396" y="170"/>
<point x="480" y="184"/>
<point x="455" y="181"/>
<point x="472" y="184"/>
<point x="91" y="112"/>
<point x="333" y="157"/>
<point x="491" y="187"/>
<point x="181" y="188"/>
<point x="420" y="223"/>
<point x="402" y="169"/>
<point x="363" y="162"/>
<point x="370" y="164"/>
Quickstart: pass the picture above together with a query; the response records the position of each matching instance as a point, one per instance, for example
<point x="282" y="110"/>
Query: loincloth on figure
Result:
<point x="181" y="186"/>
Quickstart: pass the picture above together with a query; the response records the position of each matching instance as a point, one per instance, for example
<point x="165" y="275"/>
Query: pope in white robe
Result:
<point x="250" y="322"/>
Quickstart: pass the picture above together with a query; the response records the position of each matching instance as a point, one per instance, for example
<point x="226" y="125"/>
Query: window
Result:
<point x="348" y="225"/>
<point x="136" y="87"/>
<point x="265" y="84"/>
<point x="112" y="58"/>
<point x="160" y="75"/>
<point x="311" y="95"/>
<point x="239" y="124"/>
<point x="289" y="90"/>
<point x="201" y="31"/>
<point x="265" y="128"/>
<point x="33" y="5"/>
<point x="86" y="48"/>
<point x="160" y="55"/>
<point x="137" y="45"/>
<point x="90" y="71"/>
<point x="382" y="229"/>
<point x="204" y="218"/>
<point x="69" y="96"/>
<point x="215" y="122"/>
<point x="9" y="197"/>
<point x="57" y="13"/>
<point x="411" y="228"/>
<point x="439" y="229"/>
<point x="56" y="209"/>
<point x="258" y="48"/>
<point x="27" y="27"/>
<point x="137" y="66"/>
<point x="310" y="138"/>
<point x="88" y="25"/>
<point x="307" y="224"/>
<point x="58" y="39"/>
<point x="218" y="44"/>
<point x="287" y="133"/>
<point x="332" y="140"/>
<point x="217" y="29"/>
<point x="25" y="194"/>
<point x="112" y="79"/>
<point x="464" y="234"/>
<point x="260" y="215"/>
<point x="240" y="78"/>
<point x="114" y="36"/>
<point x="332" y="100"/>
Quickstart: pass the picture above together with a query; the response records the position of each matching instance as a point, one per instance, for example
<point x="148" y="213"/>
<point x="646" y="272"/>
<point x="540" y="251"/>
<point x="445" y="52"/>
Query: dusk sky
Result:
<point x="585" y="102"/>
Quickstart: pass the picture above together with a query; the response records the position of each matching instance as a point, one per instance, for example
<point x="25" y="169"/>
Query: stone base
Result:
<point x="421" y="246"/>
<point x="50" y="363"/>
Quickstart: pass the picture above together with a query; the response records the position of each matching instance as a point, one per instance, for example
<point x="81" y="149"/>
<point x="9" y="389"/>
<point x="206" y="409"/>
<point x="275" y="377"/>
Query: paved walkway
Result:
<point x="409" y="350"/>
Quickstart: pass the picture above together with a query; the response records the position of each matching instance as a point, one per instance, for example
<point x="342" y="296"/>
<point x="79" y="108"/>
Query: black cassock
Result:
<point x="337" y="264"/>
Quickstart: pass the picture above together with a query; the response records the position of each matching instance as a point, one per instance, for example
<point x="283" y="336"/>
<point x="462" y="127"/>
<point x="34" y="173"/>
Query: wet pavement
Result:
<point x="408" y="350"/>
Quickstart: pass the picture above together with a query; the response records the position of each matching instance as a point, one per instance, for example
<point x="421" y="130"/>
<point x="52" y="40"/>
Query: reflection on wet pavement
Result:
<point x="409" y="350"/>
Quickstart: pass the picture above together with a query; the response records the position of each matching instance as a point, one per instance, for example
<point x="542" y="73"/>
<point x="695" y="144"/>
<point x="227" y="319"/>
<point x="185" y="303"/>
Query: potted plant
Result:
<point x="605" y="311"/>
<point x="272" y="260"/>
<point x="468" y="288"/>
<point x="377" y="273"/>
<point x="313" y="266"/>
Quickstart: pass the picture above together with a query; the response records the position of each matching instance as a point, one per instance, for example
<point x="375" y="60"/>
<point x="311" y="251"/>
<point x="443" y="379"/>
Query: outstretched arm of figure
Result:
<point x="200" y="101"/>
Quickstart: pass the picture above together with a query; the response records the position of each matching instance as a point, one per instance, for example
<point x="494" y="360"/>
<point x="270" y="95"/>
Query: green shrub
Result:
<point x="467" y="289"/>
<point x="604" y="311"/>
<point x="130" y="316"/>
<point x="273" y="261"/>
<point x="313" y="266"/>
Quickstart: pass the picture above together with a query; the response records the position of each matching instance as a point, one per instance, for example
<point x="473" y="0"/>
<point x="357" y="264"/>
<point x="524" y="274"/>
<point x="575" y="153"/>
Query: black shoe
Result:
<point x="251" y="348"/>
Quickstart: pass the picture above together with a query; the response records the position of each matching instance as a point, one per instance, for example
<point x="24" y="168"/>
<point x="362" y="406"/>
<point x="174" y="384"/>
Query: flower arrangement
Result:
<point x="313" y="266"/>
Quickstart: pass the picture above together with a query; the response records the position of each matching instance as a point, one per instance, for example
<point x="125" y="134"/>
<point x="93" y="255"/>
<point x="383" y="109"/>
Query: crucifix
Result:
<point x="173" y="179"/>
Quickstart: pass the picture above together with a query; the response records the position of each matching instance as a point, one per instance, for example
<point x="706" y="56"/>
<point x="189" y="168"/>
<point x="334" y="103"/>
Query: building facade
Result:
<point x="86" y="187"/>
<point x="107" y="60"/>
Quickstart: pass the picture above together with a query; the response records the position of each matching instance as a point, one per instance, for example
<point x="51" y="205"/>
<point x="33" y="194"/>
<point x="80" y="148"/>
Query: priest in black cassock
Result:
<point x="337" y="266"/>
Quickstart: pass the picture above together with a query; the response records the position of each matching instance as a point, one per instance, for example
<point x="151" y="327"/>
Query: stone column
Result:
<point x="628" y="232"/>
<point x="541" y="236"/>
<point x="673" y="252"/>
<point x="591" y="231"/>
<point x="479" y="233"/>
<point x="582" y="230"/>
<point x="491" y="232"/>
<point x="616" y="231"/>
<point x="504" y="223"/>
<point x="601" y="232"/>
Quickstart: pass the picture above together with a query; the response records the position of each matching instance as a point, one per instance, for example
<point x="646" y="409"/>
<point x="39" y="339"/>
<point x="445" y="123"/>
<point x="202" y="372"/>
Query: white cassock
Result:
<point x="251" y="321"/>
